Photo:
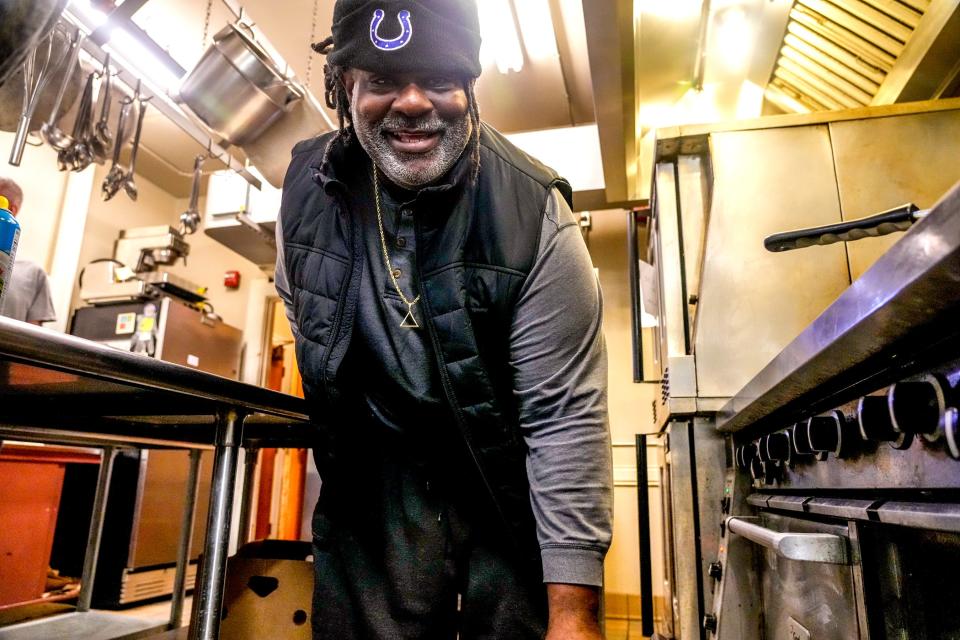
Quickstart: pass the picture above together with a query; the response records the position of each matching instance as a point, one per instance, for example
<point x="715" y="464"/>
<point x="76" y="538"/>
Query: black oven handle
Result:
<point x="824" y="548"/>
<point x="643" y="529"/>
<point x="882" y="224"/>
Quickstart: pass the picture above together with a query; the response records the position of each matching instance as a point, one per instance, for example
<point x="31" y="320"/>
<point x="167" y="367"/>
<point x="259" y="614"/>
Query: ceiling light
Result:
<point x="536" y="25"/>
<point x="501" y="42"/>
<point x="750" y="101"/>
<point x="734" y="38"/>
<point x="127" y="49"/>
<point x="668" y="9"/>
<point x="148" y="67"/>
<point x="88" y="15"/>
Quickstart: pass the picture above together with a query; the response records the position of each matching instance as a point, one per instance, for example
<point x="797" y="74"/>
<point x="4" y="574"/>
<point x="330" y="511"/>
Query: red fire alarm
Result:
<point x="231" y="279"/>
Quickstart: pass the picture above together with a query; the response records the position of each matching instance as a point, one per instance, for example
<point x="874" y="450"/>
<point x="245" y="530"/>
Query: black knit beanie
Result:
<point x="402" y="36"/>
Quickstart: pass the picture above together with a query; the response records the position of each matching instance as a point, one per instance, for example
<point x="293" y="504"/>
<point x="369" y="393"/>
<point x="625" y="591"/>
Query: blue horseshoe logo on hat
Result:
<point x="392" y="44"/>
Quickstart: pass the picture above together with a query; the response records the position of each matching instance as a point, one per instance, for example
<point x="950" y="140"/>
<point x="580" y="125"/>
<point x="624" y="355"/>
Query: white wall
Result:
<point x="43" y="192"/>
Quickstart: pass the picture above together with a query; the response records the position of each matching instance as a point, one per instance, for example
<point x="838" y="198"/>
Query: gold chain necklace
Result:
<point x="409" y="320"/>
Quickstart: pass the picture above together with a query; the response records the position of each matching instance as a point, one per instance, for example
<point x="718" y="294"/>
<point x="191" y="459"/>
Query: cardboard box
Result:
<point x="268" y="592"/>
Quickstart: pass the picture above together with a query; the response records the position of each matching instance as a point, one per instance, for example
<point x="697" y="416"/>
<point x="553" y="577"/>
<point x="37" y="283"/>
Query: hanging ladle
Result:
<point x="111" y="184"/>
<point x="50" y="132"/>
<point x="102" y="138"/>
<point x="190" y="219"/>
<point x="77" y="157"/>
<point x="129" y="186"/>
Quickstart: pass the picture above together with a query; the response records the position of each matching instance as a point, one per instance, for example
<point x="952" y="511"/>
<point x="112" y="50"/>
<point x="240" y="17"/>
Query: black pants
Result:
<point x="404" y="549"/>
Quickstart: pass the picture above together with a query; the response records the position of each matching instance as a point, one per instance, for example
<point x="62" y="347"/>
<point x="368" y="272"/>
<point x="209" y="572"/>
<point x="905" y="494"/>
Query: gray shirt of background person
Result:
<point x="28" y="297"/>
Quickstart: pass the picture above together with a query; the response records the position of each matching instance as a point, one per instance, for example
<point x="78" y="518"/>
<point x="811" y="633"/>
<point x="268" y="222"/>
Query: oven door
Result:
<point x="808" y="584"/>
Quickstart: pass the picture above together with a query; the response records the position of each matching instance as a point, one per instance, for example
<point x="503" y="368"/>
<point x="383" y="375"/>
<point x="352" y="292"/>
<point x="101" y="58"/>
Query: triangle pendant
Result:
<point x="409" y="321"/>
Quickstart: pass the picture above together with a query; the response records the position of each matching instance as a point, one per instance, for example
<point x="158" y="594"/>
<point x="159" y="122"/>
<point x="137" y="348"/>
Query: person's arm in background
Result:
<point x="41" y="308"/>
<point x="282" y="282"/>
<point x="560" y="381"/>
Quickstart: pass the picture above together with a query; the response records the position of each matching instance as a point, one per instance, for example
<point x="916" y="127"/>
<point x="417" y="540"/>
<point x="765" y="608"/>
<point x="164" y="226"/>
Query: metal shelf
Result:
<point x="89" y="625"/>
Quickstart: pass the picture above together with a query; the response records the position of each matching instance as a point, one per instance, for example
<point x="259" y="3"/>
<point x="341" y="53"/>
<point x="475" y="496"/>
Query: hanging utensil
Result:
<point x="129" y="185"/>
<point x="50" y="132"/>
<point x="83" y="152"/>
<point x="77" y="156"/>
<point x="34" y="82"/>
<point x="66" y="157"/>
<point x="111" y="184"/>
<point x="190" y="219"/>
<point x="102" y="139"/>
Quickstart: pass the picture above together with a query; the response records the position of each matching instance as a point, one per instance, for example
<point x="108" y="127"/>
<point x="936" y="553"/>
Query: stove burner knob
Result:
<point x="873" y="417"/>
<point x="951" y="430"/>
<point x="800" y="439"/>
<point x="920" y="406"/>
<point x="777" y="446"/>
<point x="832" y="433"/>
<point x="744" y="455"/>
<point x="761" y="448"/>
<point x="749" y="453"/>
<point x="710" y="623"/>
<point x="715" y="570"/>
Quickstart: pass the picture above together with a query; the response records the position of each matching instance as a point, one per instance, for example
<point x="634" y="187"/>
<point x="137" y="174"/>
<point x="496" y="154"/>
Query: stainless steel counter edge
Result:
<point x="28" y="344"/>
<point x="916" y="281"/>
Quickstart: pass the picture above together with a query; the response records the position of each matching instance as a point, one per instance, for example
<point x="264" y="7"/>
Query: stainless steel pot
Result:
<point x="23" y="24"/>
<point x="236" y="89"/>
<point x="12" y="92"/>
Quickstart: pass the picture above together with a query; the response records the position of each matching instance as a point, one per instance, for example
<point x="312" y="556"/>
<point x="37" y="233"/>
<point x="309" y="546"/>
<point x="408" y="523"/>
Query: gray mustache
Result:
<point x="428" y="124"/>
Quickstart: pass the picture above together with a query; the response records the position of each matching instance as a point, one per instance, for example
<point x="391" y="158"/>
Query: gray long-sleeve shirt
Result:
<point x="558" y="360"/>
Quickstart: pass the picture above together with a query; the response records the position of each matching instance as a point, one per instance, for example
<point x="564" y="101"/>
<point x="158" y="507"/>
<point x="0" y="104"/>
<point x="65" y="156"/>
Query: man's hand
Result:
<point x="574" y="612"/>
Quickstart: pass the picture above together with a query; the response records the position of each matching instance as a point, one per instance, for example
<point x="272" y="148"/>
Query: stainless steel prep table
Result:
<point x="61" y="389"/>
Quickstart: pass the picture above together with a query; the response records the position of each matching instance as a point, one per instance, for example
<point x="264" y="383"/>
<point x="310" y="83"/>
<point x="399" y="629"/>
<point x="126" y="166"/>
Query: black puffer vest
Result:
<point x="475" y="248"/>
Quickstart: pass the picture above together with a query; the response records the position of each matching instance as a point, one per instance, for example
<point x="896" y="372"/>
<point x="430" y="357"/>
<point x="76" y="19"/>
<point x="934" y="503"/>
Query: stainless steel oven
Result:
<point x="844" y="518"/>
<point x="792" y="383"/>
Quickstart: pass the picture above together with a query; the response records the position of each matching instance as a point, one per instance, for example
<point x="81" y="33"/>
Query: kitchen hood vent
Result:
<point x="837" y="53"/>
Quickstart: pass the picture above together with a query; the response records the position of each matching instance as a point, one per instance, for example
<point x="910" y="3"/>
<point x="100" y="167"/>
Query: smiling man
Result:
<point x="448" y="331"/>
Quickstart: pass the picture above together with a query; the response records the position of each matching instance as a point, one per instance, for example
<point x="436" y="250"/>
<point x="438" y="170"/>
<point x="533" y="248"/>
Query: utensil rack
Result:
<point x="160" y="100"/>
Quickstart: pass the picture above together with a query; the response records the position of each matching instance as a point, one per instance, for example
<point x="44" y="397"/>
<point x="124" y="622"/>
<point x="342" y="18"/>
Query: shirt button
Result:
<point x="401" y="242"/>
<point x="397" y="273"/>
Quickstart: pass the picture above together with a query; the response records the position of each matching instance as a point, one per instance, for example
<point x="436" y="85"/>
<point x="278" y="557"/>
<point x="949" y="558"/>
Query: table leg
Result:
<point x="96" y="528"/>
<point x="208" y="592"/>
<point x="186" y="535"/>
<point x="246" y="507"/>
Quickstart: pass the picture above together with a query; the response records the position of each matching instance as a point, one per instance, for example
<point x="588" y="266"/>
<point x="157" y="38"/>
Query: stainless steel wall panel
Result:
<point x="192" y="340"/>
<point x="694" y="193"/>
<point x="877" y="168"/>
<point x="157" y="523"/>
<point x="753" y="302"/>
<point x="672" y="304"/>
<point x="687" y="610"/>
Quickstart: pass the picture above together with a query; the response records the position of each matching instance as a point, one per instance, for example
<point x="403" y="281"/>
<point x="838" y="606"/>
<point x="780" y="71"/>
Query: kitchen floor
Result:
<point x="158" y="611"/>
<point x="624" y="630"/>
<point x="616" y="629"/>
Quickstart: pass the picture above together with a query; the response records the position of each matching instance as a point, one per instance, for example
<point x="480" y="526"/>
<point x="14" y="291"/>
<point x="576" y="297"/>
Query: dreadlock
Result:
<point x="335" y="96"/>
<point x="474" y="108"/>
<point x="334" y="88"/>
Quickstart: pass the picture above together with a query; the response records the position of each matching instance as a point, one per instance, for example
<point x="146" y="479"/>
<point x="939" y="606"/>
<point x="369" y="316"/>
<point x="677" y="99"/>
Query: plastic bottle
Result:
<point x="9" y="238"/>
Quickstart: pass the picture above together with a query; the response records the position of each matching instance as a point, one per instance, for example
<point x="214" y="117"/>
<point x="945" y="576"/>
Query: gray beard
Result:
<point x="401" y="168"/>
